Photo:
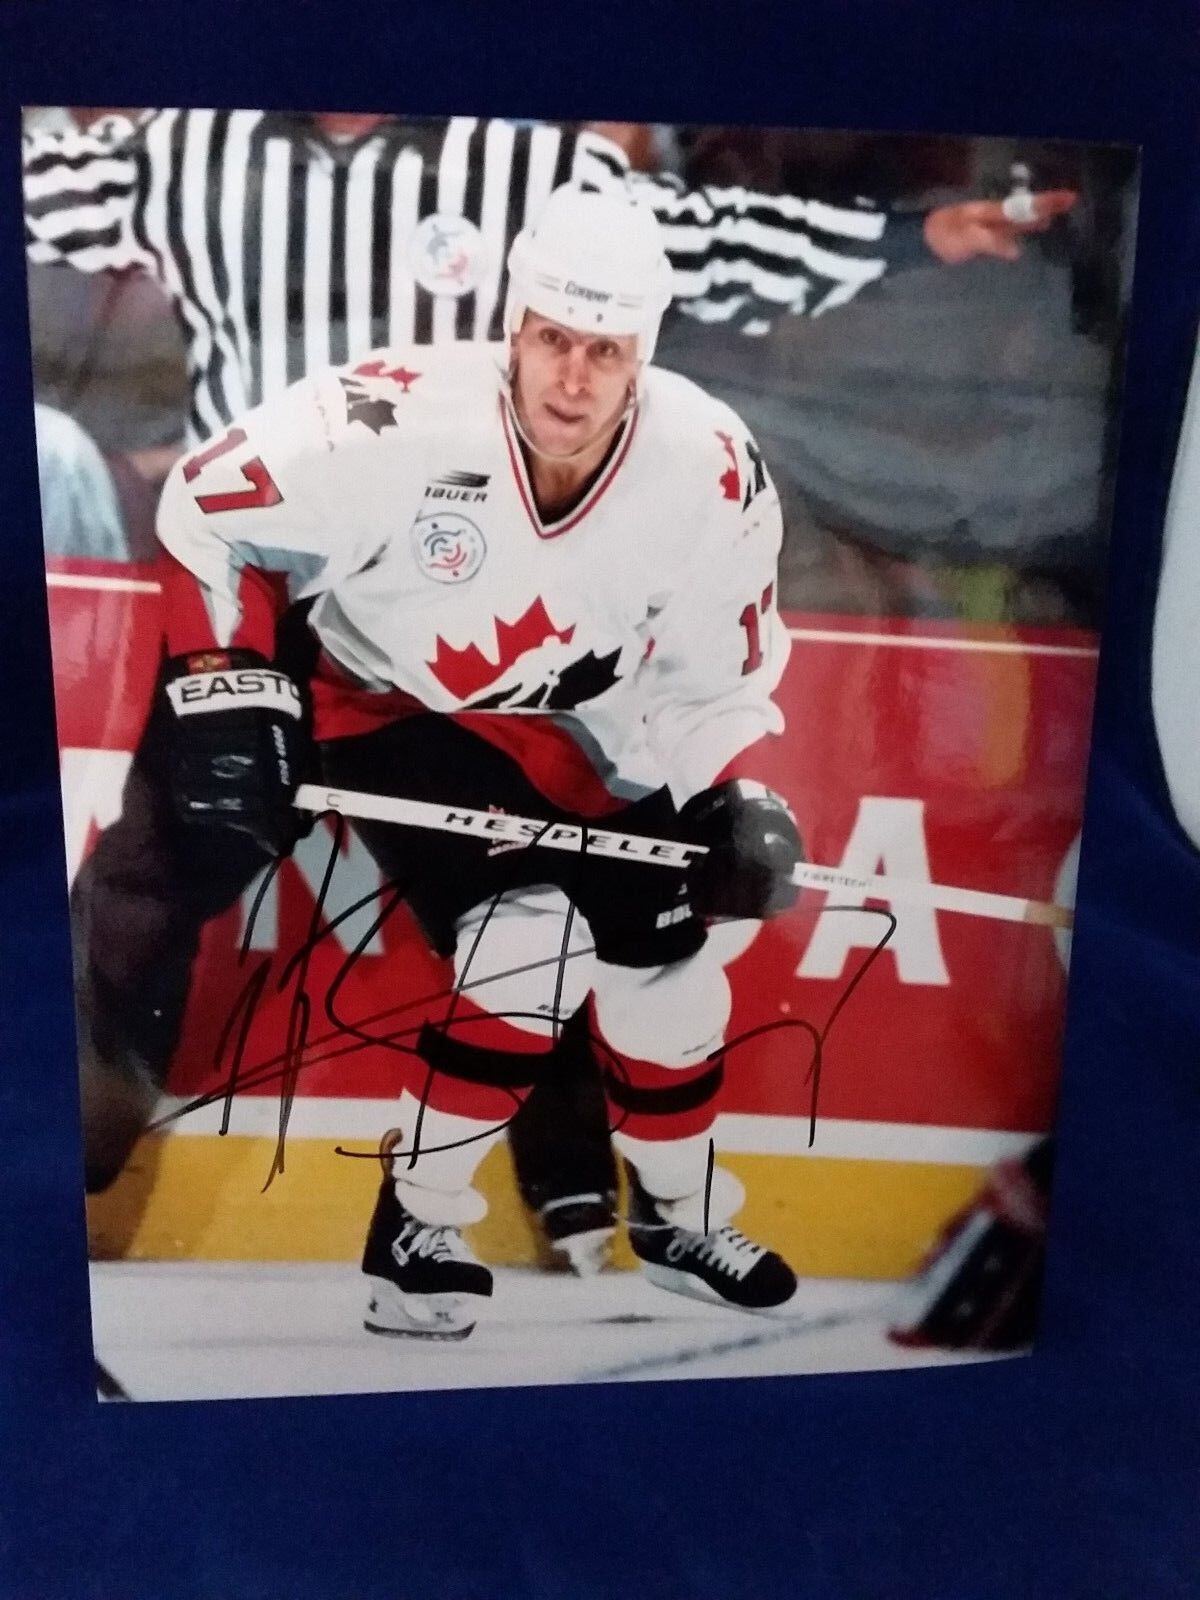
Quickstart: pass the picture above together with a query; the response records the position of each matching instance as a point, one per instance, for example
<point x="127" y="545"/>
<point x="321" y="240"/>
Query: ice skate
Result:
<point x="721" y="1266"/>
<point x="579" y="1231"/>
<point x="425" y="1282"/>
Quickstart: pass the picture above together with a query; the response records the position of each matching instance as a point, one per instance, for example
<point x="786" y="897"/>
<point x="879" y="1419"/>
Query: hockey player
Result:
<point x="545" y="583"/>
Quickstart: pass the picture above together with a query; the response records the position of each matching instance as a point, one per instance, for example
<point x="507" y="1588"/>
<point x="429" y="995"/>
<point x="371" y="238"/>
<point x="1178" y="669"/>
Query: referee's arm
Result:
<point x="744" y="257"/>
<point x="81" y="195"/>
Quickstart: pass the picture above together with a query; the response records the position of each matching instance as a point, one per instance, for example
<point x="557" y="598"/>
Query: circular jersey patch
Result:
<point x="449" y="547"/>
<point x="447" y="254"/>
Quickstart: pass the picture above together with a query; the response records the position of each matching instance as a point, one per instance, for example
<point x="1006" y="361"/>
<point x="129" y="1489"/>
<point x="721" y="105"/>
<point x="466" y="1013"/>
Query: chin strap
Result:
<point x="571" y="455"/>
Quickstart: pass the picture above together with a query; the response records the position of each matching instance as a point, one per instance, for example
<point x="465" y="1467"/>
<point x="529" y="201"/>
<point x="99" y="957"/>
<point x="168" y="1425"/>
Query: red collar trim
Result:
<point x="517" y="461"/>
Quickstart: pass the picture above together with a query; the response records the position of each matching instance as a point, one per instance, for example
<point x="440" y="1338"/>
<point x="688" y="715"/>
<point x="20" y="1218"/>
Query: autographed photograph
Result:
<point x="574" y="648"/>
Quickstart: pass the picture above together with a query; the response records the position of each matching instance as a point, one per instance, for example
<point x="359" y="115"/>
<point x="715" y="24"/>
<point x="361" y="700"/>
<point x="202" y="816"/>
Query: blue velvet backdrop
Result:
<point x="1073" y="1474"/>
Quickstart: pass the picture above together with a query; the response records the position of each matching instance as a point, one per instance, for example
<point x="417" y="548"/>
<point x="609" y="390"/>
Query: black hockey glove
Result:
<point x="239" y="736"/>
<point x="753" y="845"/>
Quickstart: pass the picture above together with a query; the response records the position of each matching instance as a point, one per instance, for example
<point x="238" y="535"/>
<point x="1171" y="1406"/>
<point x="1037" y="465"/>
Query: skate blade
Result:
<point x="585" y="1254"/>
<point x="687" y="1284"/>
<point x="410" y="1316"/>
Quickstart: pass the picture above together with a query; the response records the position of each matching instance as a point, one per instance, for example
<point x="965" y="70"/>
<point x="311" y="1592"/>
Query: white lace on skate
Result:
<point x="440" y="1243"/>
<point x="727" y="1250"/>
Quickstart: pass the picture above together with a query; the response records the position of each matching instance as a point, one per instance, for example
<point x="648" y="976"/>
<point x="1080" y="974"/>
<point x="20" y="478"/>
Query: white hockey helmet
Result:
<point x="591" y="261"/>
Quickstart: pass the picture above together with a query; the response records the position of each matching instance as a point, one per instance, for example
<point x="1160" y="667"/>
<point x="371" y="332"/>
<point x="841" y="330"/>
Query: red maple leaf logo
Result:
<point x="400" y="375"/>
<point x="730" y="480"/>
<point x="465" y="672"/>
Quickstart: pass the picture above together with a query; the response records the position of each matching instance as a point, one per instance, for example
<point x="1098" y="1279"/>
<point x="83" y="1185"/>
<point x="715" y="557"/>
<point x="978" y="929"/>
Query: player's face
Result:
<point x="571" y="388"/>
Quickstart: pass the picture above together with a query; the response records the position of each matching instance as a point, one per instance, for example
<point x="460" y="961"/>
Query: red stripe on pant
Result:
<point x="471" y="1032"/>
<point x="626" y="1078"/>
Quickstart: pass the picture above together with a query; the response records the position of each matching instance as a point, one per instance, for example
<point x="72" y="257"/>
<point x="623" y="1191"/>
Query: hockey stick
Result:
<point x="108" y="1387"/>
<point x="503" y="829"/>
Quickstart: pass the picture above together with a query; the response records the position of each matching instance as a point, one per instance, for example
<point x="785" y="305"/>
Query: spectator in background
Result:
<point x="81" y="514"/>
<point x="107" y="351"/>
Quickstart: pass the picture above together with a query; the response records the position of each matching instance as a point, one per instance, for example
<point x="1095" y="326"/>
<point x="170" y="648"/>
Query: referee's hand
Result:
<point x="992" y="227"/>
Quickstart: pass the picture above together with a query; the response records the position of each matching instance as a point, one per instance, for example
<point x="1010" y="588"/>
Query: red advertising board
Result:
<point x="915" y="749"/>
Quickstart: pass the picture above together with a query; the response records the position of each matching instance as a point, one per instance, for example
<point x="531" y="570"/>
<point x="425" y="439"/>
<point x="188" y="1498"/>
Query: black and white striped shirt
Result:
<point x="284" y="252"/>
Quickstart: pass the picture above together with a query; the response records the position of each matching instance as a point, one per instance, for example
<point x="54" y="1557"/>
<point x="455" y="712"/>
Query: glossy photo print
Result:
<point x="574" y="648"/>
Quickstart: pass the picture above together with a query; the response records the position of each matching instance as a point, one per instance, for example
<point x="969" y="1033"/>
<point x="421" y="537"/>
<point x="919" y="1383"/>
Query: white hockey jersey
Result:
<point x="643" y="622"/>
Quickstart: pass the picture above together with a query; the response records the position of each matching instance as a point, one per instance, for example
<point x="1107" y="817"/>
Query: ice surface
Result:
<point x="173" y="1331"/>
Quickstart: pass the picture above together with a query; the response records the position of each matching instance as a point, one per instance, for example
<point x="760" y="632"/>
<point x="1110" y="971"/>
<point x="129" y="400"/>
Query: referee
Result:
<point x="291" y="242"/>
<point x="288" y="243"/>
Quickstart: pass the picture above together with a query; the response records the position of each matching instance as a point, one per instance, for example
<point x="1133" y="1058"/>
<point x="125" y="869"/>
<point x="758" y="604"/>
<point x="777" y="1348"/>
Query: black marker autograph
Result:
<point x="301" y="1050"/>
